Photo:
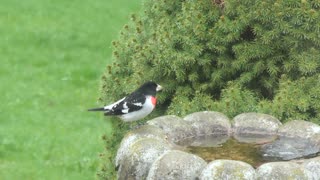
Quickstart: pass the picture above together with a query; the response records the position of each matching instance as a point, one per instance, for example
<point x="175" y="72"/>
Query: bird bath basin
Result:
<point x="232" y="150"/>
<point x="207" y="145"/>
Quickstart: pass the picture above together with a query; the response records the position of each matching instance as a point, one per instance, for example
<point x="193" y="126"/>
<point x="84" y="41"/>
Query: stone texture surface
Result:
<point x="175" y="164"/>
<point x="209" y="123"/>
<point x="255" y="127"/>
<point x="288" y="149"/>
<point x="175" y="127"/>
<point x="205" y="141"/>
<point x="282" y="170"/>
<point x="313" y="165"/>
<point x="136" y="134"/>
<point x="138" y="159"/>
<point x="228" y="169"/>
<point x="301" y="129"/>
<point x="151" y="146"/>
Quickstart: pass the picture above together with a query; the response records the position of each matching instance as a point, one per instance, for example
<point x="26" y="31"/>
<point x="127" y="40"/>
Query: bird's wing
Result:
<point x="129" y="104"/>
<point x="107" y="107"/>
<point x="110" y="106"/>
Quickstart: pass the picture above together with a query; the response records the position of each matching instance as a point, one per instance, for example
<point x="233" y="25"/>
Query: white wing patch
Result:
<point x="125" y="111"/>
<point x="138" y="104"/>
<point x="109" y="107"/>
<point x="125" y="106"/>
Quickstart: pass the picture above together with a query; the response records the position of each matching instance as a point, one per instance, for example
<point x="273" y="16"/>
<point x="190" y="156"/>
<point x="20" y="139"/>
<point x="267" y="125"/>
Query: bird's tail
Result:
<point x="97" y="109"/>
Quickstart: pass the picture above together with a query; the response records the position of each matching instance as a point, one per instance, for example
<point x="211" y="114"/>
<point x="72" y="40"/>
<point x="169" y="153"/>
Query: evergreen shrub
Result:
<point x="231" y="56"/>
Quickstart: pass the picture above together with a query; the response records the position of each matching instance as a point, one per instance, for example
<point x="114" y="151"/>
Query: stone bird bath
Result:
<point x="161" y="148"/>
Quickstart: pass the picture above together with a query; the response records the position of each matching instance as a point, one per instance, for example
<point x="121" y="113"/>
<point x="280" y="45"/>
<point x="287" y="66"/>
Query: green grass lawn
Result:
<point x="52" y="55"/>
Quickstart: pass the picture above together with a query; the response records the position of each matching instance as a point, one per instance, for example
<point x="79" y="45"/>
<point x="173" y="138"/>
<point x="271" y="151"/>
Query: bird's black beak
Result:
<point x="159" y="88"/>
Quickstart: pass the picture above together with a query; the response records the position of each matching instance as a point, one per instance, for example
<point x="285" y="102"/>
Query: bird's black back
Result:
<point x="133" y="100"/>
<point x="148" y="88"/>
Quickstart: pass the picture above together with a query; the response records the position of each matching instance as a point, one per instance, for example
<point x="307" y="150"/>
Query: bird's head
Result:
<point x="150" y="88"/>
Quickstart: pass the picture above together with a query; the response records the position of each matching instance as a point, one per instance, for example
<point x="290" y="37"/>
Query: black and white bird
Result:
<point x="136" y="105"/>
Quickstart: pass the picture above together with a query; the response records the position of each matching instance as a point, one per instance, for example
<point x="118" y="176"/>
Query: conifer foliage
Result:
<point x="231" y="56"/>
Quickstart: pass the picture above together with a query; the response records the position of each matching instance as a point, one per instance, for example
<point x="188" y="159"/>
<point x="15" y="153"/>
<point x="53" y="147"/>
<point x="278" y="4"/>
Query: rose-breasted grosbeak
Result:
<point x="136" y="105"/>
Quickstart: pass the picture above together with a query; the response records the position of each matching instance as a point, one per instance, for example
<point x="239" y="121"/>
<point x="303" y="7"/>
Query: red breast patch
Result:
<point x="154" y="100"/>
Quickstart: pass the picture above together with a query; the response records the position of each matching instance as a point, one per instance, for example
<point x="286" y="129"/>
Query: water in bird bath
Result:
<point x="231" y="149"/>
<point x="222" y="147"/>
